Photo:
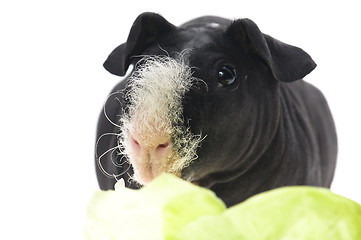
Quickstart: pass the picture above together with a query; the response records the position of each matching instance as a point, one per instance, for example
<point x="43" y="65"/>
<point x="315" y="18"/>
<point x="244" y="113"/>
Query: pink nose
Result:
<point x="155" y="147"/>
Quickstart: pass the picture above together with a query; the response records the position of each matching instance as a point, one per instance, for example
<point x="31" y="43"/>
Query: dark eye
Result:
<point x="226" y="76"/>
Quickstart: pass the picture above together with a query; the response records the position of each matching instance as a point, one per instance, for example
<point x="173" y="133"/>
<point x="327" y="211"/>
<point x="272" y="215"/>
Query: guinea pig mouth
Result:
<point x="153" y="135"/>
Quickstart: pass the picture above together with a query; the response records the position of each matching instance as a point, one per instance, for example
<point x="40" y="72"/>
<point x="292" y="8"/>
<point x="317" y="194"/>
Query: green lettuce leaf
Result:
<point x="172" y="209"/>
<point x="138" y="214"/>
<point x="285" y="213"/>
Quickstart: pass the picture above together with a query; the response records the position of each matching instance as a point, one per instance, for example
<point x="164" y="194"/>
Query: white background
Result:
<point x="53" y="85"/>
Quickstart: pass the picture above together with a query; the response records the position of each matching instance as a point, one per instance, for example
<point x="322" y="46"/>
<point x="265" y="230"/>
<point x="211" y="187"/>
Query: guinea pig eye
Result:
<point x="226" y="76"/>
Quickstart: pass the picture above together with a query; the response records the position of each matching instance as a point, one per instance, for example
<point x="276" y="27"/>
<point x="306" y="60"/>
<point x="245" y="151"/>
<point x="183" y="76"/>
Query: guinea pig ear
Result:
<point x="287" y="63"/>
<point x="146" y="30"/>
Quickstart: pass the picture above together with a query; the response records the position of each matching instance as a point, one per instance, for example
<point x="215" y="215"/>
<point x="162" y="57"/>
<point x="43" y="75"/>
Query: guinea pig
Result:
<point x="217" y="103"/>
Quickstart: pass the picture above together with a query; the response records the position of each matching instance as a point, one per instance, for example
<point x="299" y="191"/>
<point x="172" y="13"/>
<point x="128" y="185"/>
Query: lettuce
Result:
<point x="138" y="214"/>
<point x="170" y="208"/>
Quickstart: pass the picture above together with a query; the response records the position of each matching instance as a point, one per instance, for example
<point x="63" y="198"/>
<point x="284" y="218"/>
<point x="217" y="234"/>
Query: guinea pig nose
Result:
<point x="154" y="145"/>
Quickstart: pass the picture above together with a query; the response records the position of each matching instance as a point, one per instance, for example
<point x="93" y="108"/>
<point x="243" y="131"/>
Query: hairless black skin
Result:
<point x="267" y="129"/>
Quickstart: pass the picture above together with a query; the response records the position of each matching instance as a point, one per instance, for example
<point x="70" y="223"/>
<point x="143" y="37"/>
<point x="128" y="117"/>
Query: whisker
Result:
<point x="105" y="112"/>
<point x="115" y="162"/>
<point x="99" y="164"/>
<point x="124" y="172"/>
<point x="112" y="150"/>
<point x="106" y="173"/>
<point x="101" y="136"/>
<point x="166" y="52"/>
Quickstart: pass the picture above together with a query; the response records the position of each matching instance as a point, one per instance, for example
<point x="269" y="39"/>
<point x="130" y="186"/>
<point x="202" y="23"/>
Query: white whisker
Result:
<point x="105" y="112"/>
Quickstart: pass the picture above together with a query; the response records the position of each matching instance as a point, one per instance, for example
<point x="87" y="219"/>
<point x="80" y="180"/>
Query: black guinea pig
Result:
<point x="217" y="103"/>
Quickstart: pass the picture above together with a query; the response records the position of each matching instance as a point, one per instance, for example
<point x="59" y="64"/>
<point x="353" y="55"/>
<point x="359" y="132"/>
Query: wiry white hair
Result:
<point x="154" y="95"/>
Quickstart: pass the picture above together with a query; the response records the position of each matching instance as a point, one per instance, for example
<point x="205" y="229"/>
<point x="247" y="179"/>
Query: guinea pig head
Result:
<point x="202" y="101"/>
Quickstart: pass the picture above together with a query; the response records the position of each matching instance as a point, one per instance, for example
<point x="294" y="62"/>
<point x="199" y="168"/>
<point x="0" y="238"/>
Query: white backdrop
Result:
<point x="53" y="85"/>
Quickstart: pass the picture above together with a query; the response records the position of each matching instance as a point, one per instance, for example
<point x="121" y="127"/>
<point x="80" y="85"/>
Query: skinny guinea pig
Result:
<point x="217" y="103"/>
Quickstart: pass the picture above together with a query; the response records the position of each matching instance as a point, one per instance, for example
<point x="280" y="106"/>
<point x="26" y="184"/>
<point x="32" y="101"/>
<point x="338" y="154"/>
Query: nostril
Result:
<point x="135" y="142"/>
<point x="164" y="145"/>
